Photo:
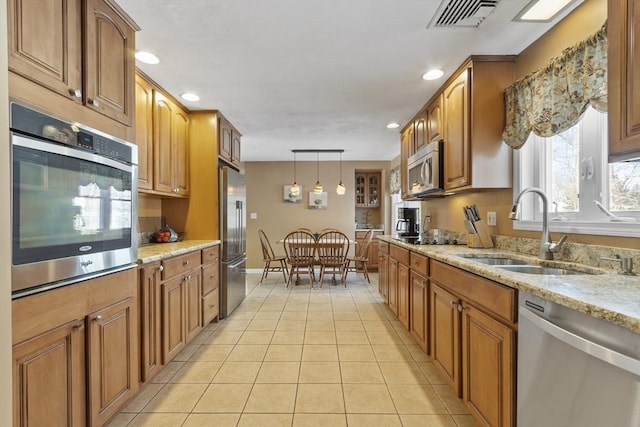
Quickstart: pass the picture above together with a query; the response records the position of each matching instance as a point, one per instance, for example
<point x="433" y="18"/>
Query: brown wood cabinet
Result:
<point x="383" y="270"/>
<point x="210" y="284"/>
<point x="434" y="119"/>
<point x="144" y="132"/>
<point x="473" y="117"/>
<point x="418" y="298"/>
<point x="112" y="359"/>
<point x="150" y="320"/>
<point x="170" y="147"/>
<point x="75" y="352"/>
<point x="399" y="283"/>
<point x="473" y="341"/>
<point x="229" y="142"/>
<point x="368" y="189"/>
<point x="623" y="30"/>
<point x="420" y="130"/>
<point x="406" y="150"/>
<point x="46" y="40"/>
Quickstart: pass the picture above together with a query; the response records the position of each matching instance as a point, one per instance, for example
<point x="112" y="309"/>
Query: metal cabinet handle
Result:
<point x="78" y="326"/>
<point x="97" y="318"/>
<point x="185" y="262"/>
<point x="76" y="93"/>
<point x="93" y="102"/>
<point x="461" y="308"/>
<point x="161" y="268"/>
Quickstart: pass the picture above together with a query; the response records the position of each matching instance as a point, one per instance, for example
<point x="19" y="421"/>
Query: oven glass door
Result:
<point x="67" y="202"/>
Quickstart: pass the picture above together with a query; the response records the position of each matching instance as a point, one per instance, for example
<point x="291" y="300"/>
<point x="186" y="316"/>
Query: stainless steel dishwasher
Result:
<point x="575" y="370"/>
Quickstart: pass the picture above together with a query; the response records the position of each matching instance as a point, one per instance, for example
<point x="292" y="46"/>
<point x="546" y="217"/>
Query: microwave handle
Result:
<point x="426" y="174"/>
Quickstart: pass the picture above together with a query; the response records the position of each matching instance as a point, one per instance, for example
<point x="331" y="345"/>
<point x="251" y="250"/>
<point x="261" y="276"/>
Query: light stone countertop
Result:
<point x="159" y="251"/>
<point x="607" y="295"/>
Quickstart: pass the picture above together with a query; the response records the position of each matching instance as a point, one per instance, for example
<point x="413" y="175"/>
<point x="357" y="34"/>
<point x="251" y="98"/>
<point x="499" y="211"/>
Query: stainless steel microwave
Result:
<point x="424" y="170"/>
<point x="73" y="202"/>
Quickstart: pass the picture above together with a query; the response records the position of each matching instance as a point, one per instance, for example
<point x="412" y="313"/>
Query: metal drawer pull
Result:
<point x="185" y="262"/>
<point x="97" y="318"/>
<point x="76" y="93"/>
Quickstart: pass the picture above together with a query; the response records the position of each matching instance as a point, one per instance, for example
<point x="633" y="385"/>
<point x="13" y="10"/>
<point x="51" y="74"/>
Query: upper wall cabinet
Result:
<point x="623" y="76"/>
<point x="46" y="46"/>
<point x="367" y="190"/>
<point x="228" y="142"/>
<point x="475" y="156"/>
<point x="162" y="137"/>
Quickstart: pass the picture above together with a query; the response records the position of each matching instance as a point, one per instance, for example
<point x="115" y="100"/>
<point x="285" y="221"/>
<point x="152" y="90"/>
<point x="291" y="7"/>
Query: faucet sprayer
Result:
<point x="547" y="247"/>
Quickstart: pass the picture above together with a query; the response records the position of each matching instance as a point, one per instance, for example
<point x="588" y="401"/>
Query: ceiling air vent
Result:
<point x="462" y="13"/>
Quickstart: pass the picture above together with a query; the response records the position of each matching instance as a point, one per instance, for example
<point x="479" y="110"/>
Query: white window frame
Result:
<point x="595" y="224"/>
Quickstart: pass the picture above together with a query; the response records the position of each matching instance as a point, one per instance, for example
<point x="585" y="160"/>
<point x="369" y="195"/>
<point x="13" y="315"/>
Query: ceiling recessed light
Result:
<point x="393" y="125"/>
<point x="190" y="97"/>
<point x="542" y="10"/>
<point x="433" y="74"/>
<point x="147" y="57"/>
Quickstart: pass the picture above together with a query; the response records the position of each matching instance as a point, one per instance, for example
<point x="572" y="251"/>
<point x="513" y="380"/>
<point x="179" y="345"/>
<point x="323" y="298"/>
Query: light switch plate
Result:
<point x="253" y="215"/>
<point x="491" y="218"/>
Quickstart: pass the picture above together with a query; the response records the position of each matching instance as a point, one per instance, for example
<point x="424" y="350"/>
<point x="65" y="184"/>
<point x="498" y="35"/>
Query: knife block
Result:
<point x="482" y="238"/>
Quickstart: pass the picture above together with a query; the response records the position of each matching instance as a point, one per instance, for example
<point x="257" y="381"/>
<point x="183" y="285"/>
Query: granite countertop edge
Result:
<point x="609" y="296"/>
<point x="160" y="251"/>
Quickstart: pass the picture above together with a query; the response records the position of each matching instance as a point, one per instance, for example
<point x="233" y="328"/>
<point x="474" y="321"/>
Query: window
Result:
<point x="586" y="194"/>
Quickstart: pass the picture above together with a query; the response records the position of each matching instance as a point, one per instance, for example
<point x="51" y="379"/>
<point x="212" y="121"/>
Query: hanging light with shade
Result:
<point x="295" y="188"/>
<point x="317" y="189"/>
<point x="340" y="190"/>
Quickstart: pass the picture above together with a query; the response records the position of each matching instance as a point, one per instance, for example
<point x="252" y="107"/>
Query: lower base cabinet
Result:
<point x="75" y="352"/>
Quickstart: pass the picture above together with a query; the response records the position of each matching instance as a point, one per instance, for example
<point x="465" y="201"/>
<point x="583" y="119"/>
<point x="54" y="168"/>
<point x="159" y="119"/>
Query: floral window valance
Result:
<point x="551" y="100"/>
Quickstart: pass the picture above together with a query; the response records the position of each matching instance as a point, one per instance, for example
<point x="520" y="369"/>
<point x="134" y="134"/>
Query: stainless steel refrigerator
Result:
<point x="233" y="236"/>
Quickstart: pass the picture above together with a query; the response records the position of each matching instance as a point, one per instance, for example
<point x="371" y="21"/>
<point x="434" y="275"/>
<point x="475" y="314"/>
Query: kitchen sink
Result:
<point x="539" y="269"/>
<point x="498" y="261"/>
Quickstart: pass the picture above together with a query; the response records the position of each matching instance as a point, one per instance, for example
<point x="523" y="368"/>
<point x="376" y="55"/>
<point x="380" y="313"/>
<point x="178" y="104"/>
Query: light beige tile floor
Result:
<point x="300" y="357"/>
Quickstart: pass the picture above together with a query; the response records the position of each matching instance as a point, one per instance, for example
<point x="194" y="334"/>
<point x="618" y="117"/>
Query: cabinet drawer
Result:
<point x="498" y="299"/>
<point x="419" y="263"/>
<point x="400" y="254"/>
<point x="211" y="255"/>
<point x="210" y="278"/>
<point x="180" y="264"/>
<point x="383" y="247"/>
<point x="210" y="306"/>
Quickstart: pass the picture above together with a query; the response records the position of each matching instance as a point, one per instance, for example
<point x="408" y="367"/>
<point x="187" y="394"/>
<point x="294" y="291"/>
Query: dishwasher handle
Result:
<point x="605" y="354"/>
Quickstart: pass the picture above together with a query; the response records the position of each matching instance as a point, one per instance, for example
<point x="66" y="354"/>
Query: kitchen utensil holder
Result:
<point x="482" y="238"/>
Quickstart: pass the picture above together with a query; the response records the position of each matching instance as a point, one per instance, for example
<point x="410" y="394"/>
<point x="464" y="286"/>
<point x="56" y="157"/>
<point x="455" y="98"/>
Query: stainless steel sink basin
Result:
<point x="495" y="260"/>
<point x="539" y="269"/>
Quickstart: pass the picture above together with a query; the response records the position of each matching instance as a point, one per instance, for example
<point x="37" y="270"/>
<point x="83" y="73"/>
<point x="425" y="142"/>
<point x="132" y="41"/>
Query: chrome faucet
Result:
<point x="547" y="247"/>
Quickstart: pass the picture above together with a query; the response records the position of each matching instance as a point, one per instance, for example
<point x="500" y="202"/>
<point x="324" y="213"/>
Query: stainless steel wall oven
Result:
<point x="74" y="202"/>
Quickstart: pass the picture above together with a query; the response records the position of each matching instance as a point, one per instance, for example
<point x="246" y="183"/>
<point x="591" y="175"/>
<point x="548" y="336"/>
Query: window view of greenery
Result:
<point x="572" y="170"/>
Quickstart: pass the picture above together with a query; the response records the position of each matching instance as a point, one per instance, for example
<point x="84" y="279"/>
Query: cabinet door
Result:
<point x="403" y="295"/>
<point x="456" y="141"/>
<point x="383" y="276"/>
<point x="210" y="277"/>
<point x="392" y="290"/>
<point x="444" y="320"/>
<point x="372" y="265"/>
<point x="373" y="190"/>
<point x="418" y="310"/>
<point x="112" y="359"/>
<point x="193" y="304"/>
<point x="109" y="62"/>
<point x="235" y="148"/>
<point x="181" y="154"/>
<point x="150" y="338"/>
<point x="49" y="378"/>
<point x="488" y="366"/>
<point x="624" y="75"/>
<point x="45" y="43"/>
<point x="163" y="147"/>
<point x="434" y="120"/>
<point x="405" y="151"/>
<point x="420" y="133"/>
<point x="361" y="190"/>
<point x="225" y="142"/>
<point x="144" y="133"/>
<point x="173" y="319"/>
<point x="210" y="306"/>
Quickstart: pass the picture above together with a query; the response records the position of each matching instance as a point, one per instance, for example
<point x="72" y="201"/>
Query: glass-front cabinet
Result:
<point x="367" y="189"/>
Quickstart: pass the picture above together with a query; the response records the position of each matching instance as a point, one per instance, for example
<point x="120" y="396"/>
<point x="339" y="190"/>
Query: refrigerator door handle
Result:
<point x="237" y="264"/>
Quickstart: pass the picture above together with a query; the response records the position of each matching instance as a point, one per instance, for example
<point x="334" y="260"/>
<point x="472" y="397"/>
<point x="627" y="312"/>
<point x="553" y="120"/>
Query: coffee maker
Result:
<point x="408" y="224"/>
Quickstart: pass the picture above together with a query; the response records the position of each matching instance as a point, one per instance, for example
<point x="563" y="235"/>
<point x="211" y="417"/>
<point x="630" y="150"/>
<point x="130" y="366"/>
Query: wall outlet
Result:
<point x="491" y="218"/>
<point x="253" y="215"/>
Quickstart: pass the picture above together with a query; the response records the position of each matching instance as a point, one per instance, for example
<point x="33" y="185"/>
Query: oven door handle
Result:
<point x="584" y="345"/>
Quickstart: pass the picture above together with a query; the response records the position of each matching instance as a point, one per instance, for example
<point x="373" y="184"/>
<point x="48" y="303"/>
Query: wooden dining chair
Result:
<point x="300" y="249"/>
<point x="361" y="257"/>
<point x="332" y="250"/>
<point x="268" y="257"/>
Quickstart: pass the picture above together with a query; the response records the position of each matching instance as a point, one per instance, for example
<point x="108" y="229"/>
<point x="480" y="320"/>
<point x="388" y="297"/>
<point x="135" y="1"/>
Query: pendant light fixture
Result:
<point x="295" y="188"/>
<point x="340" y="190"/>
<point x="317" y="189"/>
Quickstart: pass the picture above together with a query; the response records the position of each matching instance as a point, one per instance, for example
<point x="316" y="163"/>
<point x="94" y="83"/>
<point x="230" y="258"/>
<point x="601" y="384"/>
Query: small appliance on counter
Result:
<point x="408" y="222"/>
<point x="479" y="236"/>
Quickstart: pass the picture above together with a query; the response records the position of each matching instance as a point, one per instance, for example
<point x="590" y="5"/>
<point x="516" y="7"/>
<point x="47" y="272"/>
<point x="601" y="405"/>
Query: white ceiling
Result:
<point x="314" y="74"/>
